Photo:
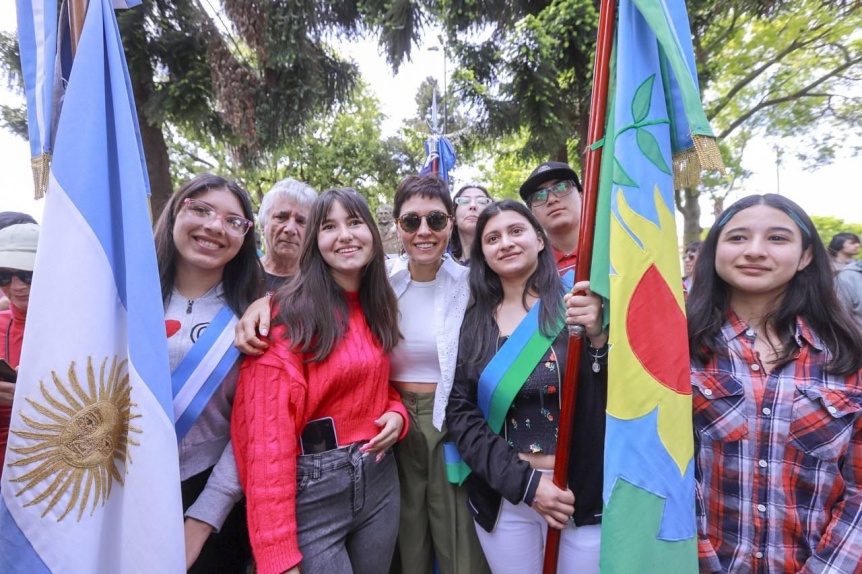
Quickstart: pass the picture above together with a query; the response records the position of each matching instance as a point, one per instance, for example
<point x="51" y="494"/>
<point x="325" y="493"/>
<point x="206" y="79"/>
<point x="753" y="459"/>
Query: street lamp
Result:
<point x="442" y="48"/>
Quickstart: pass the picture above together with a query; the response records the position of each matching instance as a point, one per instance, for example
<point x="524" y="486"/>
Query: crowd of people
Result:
<point x="359" y="384"/>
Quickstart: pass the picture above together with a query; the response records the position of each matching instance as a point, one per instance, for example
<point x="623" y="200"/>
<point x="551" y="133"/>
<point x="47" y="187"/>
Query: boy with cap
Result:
<point x="17" y="256"/>
<point x="549" y="193"/>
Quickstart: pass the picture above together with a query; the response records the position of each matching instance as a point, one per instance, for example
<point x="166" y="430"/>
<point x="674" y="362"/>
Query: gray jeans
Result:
<point x="347" y="510"/>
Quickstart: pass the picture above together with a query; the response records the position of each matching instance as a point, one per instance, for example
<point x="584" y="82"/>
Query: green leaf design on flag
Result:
<point x="642" y="100"/>
<point x="650" y="148"/>
<point x="621" y="177"/>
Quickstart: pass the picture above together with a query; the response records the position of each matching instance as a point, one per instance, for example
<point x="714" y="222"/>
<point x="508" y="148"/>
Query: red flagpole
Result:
<point x="593" y="161"/>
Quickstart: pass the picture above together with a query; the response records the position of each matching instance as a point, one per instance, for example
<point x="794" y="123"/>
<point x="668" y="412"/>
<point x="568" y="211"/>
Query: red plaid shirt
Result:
<point x="778" y="460"/>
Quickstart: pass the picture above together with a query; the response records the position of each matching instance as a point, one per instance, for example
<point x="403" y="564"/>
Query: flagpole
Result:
<point x="77" y="13"/>
<point x="593" y="160"/>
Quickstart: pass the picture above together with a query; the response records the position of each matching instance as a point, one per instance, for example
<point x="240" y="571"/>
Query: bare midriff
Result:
<point x="415" y="387"/>
<point x="538" y="460"/>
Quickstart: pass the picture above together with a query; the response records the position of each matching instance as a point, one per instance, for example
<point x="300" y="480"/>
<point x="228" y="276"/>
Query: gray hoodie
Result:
<point x="849" y="284"/>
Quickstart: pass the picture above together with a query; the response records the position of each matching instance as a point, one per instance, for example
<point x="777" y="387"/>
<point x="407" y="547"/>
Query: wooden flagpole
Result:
<point x="593" y="161"/>
<point x="77" y="13"/>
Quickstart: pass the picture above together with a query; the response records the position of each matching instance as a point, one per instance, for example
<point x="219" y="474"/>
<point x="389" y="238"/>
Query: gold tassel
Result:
<point x="41" y="165"/>
<point x="688" y="163"/>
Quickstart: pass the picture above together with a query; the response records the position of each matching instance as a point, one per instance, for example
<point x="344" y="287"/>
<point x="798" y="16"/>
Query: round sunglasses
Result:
<point x="436" y="220"/>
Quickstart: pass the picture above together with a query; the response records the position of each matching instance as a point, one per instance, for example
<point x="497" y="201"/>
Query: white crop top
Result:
<point x="414" y="359"/>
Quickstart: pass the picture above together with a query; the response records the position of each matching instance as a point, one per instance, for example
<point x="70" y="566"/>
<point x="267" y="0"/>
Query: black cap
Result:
<point x="8" y="218"/>
<point x="548" y="171"/>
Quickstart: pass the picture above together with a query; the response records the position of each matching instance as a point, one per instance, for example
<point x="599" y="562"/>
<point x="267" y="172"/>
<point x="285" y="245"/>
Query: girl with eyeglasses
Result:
<point x="209" y="274"/>
<point x="432" y="293"/>
<point x="469" y="201"/>
<point x="315" y="415"/>
<point x="504" y="409"/>
<point x="777" y="398"/>
<point x="19" y="236"/>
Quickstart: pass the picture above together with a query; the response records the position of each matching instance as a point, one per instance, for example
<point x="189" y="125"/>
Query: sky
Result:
<point x="831" y="190"/>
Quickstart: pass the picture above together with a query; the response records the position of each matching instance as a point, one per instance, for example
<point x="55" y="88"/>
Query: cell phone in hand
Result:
<point x="318" y="436"/>
<point x="7" y="373"/>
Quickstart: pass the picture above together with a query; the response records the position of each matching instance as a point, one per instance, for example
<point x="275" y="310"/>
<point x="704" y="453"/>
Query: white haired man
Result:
<point x="283" y="215"/>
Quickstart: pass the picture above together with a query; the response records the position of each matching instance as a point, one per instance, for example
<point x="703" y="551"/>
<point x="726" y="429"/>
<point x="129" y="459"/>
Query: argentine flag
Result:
<point x="37" y="43"/>
<point x="92" y="481"/>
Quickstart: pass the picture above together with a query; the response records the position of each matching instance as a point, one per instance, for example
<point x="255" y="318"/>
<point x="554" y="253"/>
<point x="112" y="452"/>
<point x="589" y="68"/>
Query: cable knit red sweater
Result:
<point x="275" y="397"/>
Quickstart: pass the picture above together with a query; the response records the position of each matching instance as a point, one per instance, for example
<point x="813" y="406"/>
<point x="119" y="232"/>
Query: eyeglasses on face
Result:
<point x="560" y="189"/>
<point x="204" y="212"/>
<point x="482" y="201"/>
<point x="689" y="255"/>
<point x="436" y="220"/>
<point x="7" y="275"/>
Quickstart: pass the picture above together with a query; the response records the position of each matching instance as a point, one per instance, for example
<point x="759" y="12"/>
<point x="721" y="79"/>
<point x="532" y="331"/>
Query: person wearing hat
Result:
<point x="549" y="193"/>
<point x="17" y="257"/>
<point x="8" y="218"/>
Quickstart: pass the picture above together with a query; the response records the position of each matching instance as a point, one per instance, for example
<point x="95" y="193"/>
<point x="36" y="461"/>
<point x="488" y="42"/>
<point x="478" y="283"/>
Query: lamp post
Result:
<point x="779" y="153"/>
<point x="442" y="48"/>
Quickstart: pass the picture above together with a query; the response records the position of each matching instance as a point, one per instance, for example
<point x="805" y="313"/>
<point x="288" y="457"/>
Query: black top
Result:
<point x="532" y="421"/>
<point x="273" y="282"/>
<point x="497" y="470"/>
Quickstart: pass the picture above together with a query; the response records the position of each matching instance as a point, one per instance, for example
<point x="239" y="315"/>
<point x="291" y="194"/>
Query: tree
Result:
<point x="793" y="73"/>
<point x="341" y="148"/>
<point x="524" y="70"/>
<point x="829" y="227"/>
<point x="773" y="68"/>
<point x="251" y="76"/>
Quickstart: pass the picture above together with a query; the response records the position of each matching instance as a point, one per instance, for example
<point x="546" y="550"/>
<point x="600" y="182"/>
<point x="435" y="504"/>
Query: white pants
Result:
<point x="517" y="544"/>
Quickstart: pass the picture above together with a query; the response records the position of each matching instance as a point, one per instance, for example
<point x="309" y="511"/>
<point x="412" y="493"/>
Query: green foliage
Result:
<point x="12" y="118"/>
<point x="342" y="148"/>
<point x="524" y="69"/>
<point x="505" y="167"/>
<point x="828" y="227"/>
<point x="796" y="74"/>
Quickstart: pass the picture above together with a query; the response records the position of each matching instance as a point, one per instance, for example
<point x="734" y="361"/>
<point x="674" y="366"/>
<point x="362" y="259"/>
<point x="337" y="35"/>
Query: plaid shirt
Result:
<point x="778" y="460"/>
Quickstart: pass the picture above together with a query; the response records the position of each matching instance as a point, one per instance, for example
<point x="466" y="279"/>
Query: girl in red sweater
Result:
<point x="314" y="416"/>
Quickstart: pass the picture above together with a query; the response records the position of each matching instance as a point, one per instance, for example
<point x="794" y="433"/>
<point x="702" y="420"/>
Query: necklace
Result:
<point x="596" y="367"/>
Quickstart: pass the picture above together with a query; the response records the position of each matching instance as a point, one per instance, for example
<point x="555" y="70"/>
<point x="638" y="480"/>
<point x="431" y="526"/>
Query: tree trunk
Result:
<point x="133" y="27"/>
<point x="158" y="165"/>
<point x="688" y="204"/>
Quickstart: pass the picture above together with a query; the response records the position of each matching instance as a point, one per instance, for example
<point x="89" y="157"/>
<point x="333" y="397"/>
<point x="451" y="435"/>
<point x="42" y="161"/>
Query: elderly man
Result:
<point x="283" y="215"/>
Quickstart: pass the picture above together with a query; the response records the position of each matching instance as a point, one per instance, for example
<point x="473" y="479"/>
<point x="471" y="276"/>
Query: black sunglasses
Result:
<point x="436" y="220"/>
<point x="6" y="277"/>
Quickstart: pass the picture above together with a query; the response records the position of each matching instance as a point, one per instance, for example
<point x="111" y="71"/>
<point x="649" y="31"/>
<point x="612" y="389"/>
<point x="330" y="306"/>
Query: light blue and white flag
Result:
<point x="92" y="477"/>
<point x="37" y="42"/>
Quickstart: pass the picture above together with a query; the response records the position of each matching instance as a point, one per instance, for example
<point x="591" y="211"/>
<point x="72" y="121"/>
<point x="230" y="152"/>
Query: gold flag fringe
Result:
<point x="688" y="163"/>
<point x="41" y="165"/>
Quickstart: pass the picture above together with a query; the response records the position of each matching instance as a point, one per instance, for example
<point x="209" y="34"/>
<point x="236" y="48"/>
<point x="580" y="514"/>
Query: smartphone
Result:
<point x="318" y="436"/>
<point x="7" y="373"/>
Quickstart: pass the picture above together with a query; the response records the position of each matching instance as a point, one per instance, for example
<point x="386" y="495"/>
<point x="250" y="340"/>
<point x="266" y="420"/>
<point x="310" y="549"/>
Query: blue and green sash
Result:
<point x="503" y="377"/>
<point x="202" y="370"/>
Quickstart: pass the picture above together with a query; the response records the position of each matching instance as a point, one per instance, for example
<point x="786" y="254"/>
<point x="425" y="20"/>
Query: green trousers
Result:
<point x="435" y="521"/>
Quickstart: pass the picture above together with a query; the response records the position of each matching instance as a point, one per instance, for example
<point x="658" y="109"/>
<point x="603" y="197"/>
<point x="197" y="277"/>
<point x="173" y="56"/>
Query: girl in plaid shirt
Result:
<point x="777" y="394"/>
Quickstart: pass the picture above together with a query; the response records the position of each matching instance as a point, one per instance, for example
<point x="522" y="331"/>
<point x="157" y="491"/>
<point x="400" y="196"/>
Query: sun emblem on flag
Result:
<point x="80" y="444"/>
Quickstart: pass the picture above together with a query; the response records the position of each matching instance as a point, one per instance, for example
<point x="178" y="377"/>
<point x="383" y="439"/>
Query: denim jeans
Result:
<point x="347" y="510"/>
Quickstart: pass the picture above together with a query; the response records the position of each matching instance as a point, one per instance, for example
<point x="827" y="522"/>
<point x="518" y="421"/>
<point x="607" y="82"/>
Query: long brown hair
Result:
<point x="810" y="294"/>
<point x="313" y="307"/>
<point x="243" y="275"/>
